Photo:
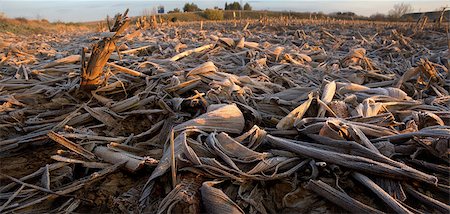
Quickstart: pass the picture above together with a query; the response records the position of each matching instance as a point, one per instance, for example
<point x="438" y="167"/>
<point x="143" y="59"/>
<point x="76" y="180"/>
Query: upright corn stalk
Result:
<point x="154" y="22"/>
<point x="441" y="17"/>
<point x="142" y="23"/>
<point x="91" y="72"/>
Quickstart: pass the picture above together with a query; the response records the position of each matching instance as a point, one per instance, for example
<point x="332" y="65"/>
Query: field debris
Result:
<point x="255" y="116"/>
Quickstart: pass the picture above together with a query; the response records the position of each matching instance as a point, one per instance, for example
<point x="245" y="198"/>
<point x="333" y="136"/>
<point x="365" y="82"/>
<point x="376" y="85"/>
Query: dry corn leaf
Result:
<point x="215" y="201"/>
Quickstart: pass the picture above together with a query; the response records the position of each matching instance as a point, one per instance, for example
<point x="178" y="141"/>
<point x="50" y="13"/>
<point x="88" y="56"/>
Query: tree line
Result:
<point x="237" y="6"/>
<point x="192" y="7"/>
<point x="396" y="13"/>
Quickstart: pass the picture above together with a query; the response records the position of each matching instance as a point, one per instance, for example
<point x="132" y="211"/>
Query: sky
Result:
<point x="88" y="10"/>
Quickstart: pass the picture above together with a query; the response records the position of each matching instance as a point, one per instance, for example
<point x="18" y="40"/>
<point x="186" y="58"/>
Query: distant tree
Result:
<point x="21" y="19"/>
<point x="233" y="6"/>
<point x="247" y="6"/>
<point x="378" y="17"/>
<point x="191" y="7"/>
<point x="345" y="14"/>
<point x="319" y="14"/>
<point x="349" y="14"/>
<point x="176" y="10"/>
<point x="399" y="10"/>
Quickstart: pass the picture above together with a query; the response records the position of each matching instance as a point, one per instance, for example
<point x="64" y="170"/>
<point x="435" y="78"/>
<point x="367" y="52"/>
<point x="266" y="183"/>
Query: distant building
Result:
<point x="431" y="15"/>
<point x="160" y="9"/>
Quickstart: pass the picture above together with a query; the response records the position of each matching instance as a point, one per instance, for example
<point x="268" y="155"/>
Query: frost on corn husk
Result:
<point x="274" y="115"/>
<point x="219" y="117"/>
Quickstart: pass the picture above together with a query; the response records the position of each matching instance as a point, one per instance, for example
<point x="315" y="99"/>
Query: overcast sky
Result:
<point x="88" y="10"/>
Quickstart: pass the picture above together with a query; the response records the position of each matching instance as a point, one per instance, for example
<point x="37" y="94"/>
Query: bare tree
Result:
<point x="400" y="10"/>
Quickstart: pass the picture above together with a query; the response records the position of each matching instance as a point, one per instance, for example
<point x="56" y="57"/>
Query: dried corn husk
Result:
<point x="110" y="156"/>
<point x="288" y="121"/>
<point x="215" y="201"/>
<point x="219" y="117"/>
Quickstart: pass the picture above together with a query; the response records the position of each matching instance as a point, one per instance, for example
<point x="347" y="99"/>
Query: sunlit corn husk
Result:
<point x="354" y="56"/>
<point x="252" y="138"/>
<point x="220" y="117"/>
<point x="357" y="57"/>
<point x="339" y="108"/>
<point x="202" y="69"/>
<point x="123" y="47"/>
<point x="215" y="201"/>
<point x="389" y="91"/>
<point x="425" y="72"/>
<point x="429" y="72"/>
<point x="425" y="119"/>
<point x="184" y="198"/>
<point x="288" y="121"/>
<point x="369" y="108"/>
<point x="344" y="88"/>
<point x="180" y="46"/>
<point x="334" y="129"/>
<point x="241" y="42"/>
<point x="227" y="41"/>
<point x="328" y="92"/>
<point x="397" y="93"/>
<point x="304" y="57"/>
<point x="114" y="157"/>
<point x="251" y="44"/>
<point x="65" y="60"/>
<point x="290" y="59"/>
<point x="277" y="52"/>
<point x="235" y="149"/>
<point x="327" y="96"/>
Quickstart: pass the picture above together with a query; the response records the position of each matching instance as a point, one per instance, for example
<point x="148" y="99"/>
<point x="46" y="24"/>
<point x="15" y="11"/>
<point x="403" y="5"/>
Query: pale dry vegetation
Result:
<point x="23" y="26"/>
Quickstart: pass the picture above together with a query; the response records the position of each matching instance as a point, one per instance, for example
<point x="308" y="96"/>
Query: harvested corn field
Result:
<point x="255" y="116"/>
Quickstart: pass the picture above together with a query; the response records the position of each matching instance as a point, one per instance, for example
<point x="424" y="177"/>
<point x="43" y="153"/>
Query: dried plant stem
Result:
<point x="12" y="197"/>
<point x="189" y="52"/>
<point x="70" y="145"/>
<point x="92" y="72"/>
<point x="126" y="70"/>
<point x="172" y="157"/>
<point x="339" y="198"/>
<point x="442" y="207"/>
<point x="395" y="205"/>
